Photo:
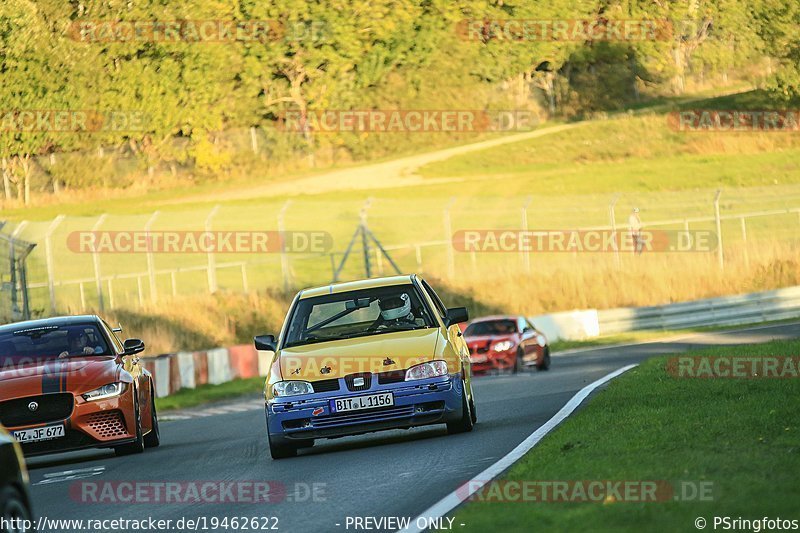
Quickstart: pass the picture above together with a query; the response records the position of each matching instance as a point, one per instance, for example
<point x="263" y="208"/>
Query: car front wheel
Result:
<point x="13" y="510"/>
<point x="466" y="422"/>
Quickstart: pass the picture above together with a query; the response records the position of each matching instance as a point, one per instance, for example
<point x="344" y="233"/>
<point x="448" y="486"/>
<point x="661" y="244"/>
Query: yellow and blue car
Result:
<point x="366" y="356"/>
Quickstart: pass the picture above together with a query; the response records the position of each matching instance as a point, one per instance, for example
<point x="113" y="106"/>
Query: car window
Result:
<point x="52" y="341"/>
<point x="357" y="313"/>
<point x="491" y="327"/>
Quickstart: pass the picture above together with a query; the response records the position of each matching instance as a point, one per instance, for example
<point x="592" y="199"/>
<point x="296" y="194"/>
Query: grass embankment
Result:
<point x="742" y="435"/>
<point x="203" y="394"/>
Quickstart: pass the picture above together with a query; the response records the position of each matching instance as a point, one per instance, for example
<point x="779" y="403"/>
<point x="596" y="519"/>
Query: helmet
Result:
<point x="635" y="209"/>
<point x="394" y="307"/>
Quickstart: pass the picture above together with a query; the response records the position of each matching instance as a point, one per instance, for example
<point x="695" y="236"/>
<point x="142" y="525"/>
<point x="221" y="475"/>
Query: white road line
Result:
<point x="70" y="475"/>
<point x="458" y="496"/>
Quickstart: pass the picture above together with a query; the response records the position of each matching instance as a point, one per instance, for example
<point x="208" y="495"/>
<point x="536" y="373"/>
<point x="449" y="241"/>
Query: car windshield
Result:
<point x="26" y="345"/>
<point x="357" y="313"/>
<point x="491" y="327"/>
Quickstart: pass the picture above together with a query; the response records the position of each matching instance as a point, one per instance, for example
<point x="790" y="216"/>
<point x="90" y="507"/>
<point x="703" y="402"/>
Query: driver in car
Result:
<point x="395" y="311"/>
<point x="78" y="344"/>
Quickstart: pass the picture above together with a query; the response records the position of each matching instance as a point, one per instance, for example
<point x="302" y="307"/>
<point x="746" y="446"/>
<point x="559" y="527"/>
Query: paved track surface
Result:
<point x="394" y="473"/>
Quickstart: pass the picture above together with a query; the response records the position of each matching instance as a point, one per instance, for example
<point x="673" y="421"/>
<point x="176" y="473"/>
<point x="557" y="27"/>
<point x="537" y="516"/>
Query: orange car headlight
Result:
<point x="111" y="390"/>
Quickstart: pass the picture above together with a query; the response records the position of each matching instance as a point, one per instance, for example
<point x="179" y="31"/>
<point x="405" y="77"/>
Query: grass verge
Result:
<point x="186" y="398"/>
<point x="742" y="435"/>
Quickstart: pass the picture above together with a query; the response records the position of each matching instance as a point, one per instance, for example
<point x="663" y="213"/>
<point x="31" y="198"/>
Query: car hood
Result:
<point x="485" y="340"/>
<point x="77" y="374"/>
<point x="376" y="353"/>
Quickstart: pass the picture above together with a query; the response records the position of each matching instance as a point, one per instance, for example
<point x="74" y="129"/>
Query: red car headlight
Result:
<point x="502" y="346"/>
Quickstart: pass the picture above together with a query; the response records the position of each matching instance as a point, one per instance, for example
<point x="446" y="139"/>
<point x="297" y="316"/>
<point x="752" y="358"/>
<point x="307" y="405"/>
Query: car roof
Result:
<point x="492" y="318"/>
<point x="52" y="321"/>
<point x="372" y="283"/>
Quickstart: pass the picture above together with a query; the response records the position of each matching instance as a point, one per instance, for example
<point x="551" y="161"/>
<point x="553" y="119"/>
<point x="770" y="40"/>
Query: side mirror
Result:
<point x="265" y="342"/>
<point x="133" y="346"/>
<point x="456" y="315"/>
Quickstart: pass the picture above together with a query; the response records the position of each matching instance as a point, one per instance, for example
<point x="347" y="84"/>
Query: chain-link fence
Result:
<point x="14" y="296"/>
<point x="415" y="233"/>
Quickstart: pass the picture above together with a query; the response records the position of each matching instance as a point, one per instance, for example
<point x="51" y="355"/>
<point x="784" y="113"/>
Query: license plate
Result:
<point x="39" y="434"/>
<point x="373" y="401"/>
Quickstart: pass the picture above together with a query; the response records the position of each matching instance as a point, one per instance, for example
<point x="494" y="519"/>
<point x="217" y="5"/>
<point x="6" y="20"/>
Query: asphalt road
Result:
<point x="395" y="473"/>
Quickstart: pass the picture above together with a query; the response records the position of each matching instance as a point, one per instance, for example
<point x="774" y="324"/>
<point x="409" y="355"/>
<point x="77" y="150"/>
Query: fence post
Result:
<point x="48" y="249"/>
<point x="151" y="266"/>
<point x="110" y="294"/>
<point x="526" y="254"/>
<point x="245" y="286"/>
<point x="174" y="283"/>
<point x="83" y="297"/>
<point x="611" y="206"/>
<point x="448" y="230"/>
<point x="96" y="264"/>
<point x="720" y="258"/>
<point x="212" y="264"/>
<point x="418" y="253"/>
<point x="744" y="241"/>
<point x="285" y="267"/>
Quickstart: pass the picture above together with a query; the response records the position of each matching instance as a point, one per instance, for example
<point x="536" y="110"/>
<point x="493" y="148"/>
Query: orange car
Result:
<point x="68" y="383"/>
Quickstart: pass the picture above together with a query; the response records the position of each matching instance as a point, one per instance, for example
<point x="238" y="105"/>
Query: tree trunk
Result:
<point x="6" y="178"/>
<point x="26" y="176"/>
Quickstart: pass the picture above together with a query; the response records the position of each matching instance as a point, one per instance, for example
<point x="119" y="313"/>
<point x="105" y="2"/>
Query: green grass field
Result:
<point x="185" y="398"/>
<point x="740" y="437"/>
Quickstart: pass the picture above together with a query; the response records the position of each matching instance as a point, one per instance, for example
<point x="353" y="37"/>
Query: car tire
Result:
<point x="136" y="446"/>
<point x="465" y="423"/>
<point x="545" y="365"/>
<point x="13" y="506"/>
<point x="153" y="439"/>
<point x="281" y="451"/>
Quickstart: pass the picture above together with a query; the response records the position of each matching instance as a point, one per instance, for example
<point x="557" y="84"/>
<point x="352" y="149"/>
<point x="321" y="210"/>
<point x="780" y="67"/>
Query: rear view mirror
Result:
<point x="265" y="342"/>
<point x="456" y="315"/>
<point x="133" y="346"/>
<point x="360" y="303"/>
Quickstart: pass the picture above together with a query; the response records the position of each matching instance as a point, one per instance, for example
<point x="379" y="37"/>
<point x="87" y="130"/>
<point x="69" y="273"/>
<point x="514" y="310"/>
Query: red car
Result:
<point x="506" y="343"/>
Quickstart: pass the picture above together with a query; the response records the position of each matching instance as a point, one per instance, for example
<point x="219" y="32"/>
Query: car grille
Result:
<point x="350" y="379"/>
<point x="325" y="385"/>
<point x="52" y="407"/>
<point x="363" y="417"/>
<point x="107" y="424"/>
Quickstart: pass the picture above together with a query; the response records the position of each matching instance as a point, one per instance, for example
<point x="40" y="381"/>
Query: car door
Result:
<point x="454" y="334"/>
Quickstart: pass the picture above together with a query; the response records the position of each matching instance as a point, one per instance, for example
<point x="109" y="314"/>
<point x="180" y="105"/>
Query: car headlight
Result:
<point x="106" y="391"/>
<point x="541" y="341"/>
<point x="292" y="388"/>
<point x="426" y="370"/>
<point x="502" y="346"/>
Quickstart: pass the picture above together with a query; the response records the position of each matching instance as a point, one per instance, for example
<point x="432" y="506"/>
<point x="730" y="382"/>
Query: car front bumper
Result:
<point x="416" y="403"/>
<point x="96" y="424"/>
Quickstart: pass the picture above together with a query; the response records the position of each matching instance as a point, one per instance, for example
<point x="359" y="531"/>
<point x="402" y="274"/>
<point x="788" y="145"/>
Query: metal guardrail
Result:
<point x="778" y="304"/>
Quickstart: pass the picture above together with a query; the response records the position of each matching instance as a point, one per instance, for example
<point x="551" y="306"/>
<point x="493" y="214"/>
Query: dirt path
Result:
<point x="399" y="172"/>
